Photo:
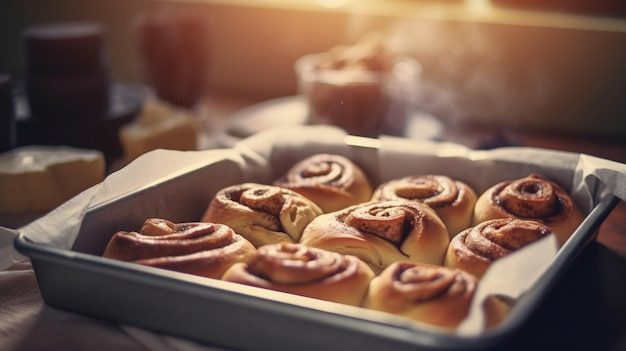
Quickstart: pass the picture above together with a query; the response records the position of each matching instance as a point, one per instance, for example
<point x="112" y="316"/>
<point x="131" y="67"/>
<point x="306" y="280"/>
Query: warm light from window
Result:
<point x="333" y="3"/>
<point x="478" y="7"/>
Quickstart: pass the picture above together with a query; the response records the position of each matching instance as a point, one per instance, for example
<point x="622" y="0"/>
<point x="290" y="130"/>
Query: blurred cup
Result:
<point x="174" y="48"/>
<point x="363" y="99"/>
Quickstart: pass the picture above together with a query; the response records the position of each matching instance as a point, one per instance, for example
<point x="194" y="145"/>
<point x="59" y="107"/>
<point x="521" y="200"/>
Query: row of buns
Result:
<point x="429" y="229"/>
<point x="436" y="295"/>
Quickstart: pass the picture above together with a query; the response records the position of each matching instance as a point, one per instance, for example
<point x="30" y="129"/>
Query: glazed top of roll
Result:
<point x="263" y="214"/>
<point x="432" y="189"/>
<point x="162" y="238"/>
<point x="533" y="197"/>
<point x="306" y="271"/>
<point x="381" y="232"/>
<point x="453" y="200"/>
<point x="474" y="249"/>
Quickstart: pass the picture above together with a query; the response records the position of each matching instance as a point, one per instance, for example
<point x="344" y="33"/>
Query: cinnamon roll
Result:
<point x="263" y="214"/>
<point x="474" y="249"/>
<point x="204" y="249"/>
<point x="453" y="200"/>
<point x="436" y="295"/>
<point x="533" y="197"/>
<point x="331" y="181"/>
<point x="381" y="233"/>
<point x="305" y="271"/>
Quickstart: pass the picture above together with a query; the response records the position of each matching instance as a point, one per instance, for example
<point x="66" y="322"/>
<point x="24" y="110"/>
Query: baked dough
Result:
<point x="436" y="295"/>
<point x="533" y="197"/>
<point x="474" y="249"/>
<point x="452" y="199"/>
<point x="331" y="181"/>
<point x="305" y="271"/>
<point x="263" y="214"/>
<point x="381" y="233"/>
<point x="205" y="249"/>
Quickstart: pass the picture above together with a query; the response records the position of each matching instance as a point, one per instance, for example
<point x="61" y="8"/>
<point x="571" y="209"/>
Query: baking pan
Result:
<point x="76" y="278"/>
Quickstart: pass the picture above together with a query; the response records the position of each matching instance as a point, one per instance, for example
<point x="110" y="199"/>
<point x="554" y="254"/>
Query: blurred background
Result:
<point x="551" y="65"/>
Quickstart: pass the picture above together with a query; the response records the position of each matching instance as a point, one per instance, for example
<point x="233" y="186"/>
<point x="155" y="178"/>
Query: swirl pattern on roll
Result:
<point x="331" y="181"/>
<point x="474" y="249"/>
<point x="263" y="214"/>
<point x="453" y="200"/>
<point x="533" y="197"/>
<point x="436" y="295"/>
<point x="305" y="271"/>
<point x="381" y="233"/>
<point x="205" y="249"/>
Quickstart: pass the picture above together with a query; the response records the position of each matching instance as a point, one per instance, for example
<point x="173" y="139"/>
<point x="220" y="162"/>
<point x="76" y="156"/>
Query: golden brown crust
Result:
<point x="205" y="249"/>
<point x="305" y="271"/>
<point x="534" y="197"/>
<point x="331" y="181"/>
<point x="381" y="233"/>
<point x="436" y="295"/>
<point x="263" y="214"/>
<point x="474" y="249"/>
<point x="453" y="200"/>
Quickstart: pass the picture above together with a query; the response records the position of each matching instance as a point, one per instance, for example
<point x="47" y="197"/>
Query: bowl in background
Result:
<point x="361" y="98"/>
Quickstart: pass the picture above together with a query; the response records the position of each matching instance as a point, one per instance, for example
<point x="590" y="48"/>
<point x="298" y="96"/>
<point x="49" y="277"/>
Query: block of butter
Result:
<point x="39" y="178"/>
<point x="160" y="126"/>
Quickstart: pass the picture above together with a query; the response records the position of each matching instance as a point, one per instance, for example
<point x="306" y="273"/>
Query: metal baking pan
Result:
<point x="233" y="316"/>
